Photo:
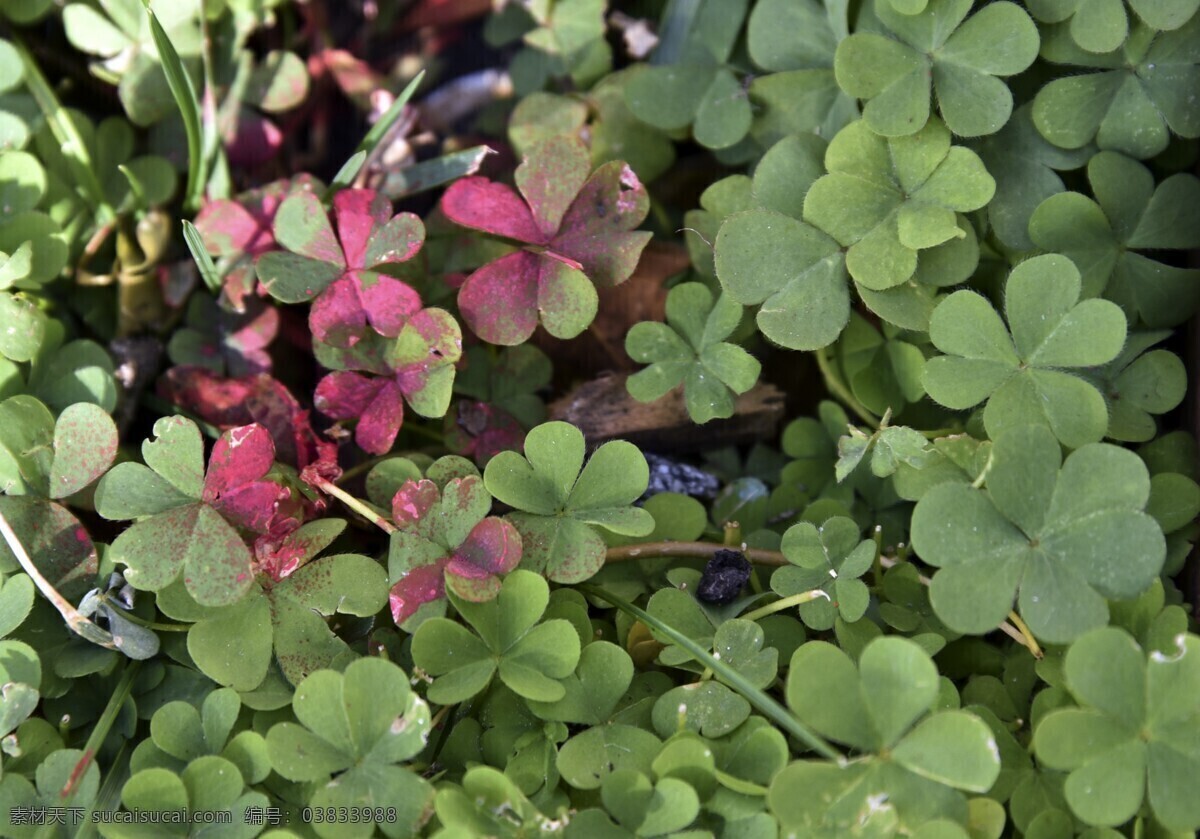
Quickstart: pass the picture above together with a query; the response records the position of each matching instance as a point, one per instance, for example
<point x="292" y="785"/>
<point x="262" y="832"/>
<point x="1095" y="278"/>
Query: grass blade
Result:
<point x="208" y="269"/>
<point x="189" y="108"/>
<point x="433" y="173"/>
<point x="347" y="173"/>
<point x="768" y="706"/>
<point x="380" y="128"/>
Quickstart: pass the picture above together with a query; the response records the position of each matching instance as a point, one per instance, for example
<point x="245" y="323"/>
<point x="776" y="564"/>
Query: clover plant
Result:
<point x="599" y="418"/>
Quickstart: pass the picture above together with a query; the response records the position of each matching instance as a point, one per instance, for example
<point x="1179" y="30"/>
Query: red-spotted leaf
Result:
<point x="85" y="443"/>
<point x="341" y="273"/>
<point x="185" y="525"/>
<point x="58" y="544"/>
<point x="578" y="233"/>
<point x="237" y="231"/>
<point x="421" y="362"/>
<point x="446" y="540"/>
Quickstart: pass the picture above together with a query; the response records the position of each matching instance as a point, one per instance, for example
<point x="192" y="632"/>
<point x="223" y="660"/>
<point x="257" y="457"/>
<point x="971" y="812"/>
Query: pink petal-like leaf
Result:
<point x="481" y="431"/>
<point x="481" y="204"/>
<point x="337" y="316"/>
<point x="227" y="228"/>
<point x="492" y="547"/>
<point x="596" y="229"/>
<point x="388" y="302"/>
<point x="550" y="178"/>
<point x="499" y="301"/>
<point x="417" y="587"/>
<point x="380" y="423"/>
<point x="255" y="140"/>
<point x="254" y="506"/>
<point x="358" y="212"/>
<point x="344" y="395"/>
<point x="240" y="456"/>
<point x="413" y="502"/>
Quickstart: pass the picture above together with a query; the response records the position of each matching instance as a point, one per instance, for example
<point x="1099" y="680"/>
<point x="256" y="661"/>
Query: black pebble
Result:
<point x="724" y="576"/>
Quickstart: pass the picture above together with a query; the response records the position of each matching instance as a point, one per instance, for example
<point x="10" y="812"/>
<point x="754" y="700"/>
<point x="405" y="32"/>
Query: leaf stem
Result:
<point x="100" y="732"/>
<point x="768" y="706"/>
<point x="355" y="504"/>
<point x="785" y="603"/>
<point x="839" y="389"/>
<point x="75" y="620"/>
<point x="140" y="621"/>
<point x="775" y="559"/>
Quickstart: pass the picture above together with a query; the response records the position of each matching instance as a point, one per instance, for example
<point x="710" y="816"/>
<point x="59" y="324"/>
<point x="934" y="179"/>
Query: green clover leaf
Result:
<point x="938" y="48"/>
<point x="283" y="621"/>
<point x="889" y="446"/>
<point x="883" y="370"/>
<point x="1023" y="375"/>
<point x="649" y="808"/>
<point x="559" y="505"/>
<point x="1103" y="26"/>
<point x="208" y="784"/>
<point x="176" y="530"/>
<point x="1103" y="237"/>
<point x="53" y="774"/>
<point x="357" y="726"/>
<point x="530" y="655"/>
<point x="1133" y="102"/>
<point x="690" y="349"/>
<point x="1065" y="538"/>
<point x="1136" y="735"/>
<point x="1026" y="166"/>
<point x="830" y="559"/>
<point x="886" y="199"/>
<point x="179" y="733"/>
<point x="694" y="86"/>
<point x="883" y="707"/>
<point x="1138" y="383"/>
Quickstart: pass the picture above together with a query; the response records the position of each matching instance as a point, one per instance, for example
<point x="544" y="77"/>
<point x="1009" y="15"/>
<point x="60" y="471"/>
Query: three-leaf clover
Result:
<point x="1103" y="26"/>
<point x="417" y="367"/>
<point x="558" y="504"/>
<point x="886" y="199"/>
<point x="690" y="83"/>
<point x="938" y="48"/>
<point x="447" y="540"/>
<point x="1021" y="369"/>
<point x="181" y="731"/>
<point x="1129" y="214"/>
<point x="187" y="518"/>
<point x="1138" y="383"/>
<point x="889" y="446"/>
<point x="690" y="349"/>
<point x="358" y="726"/>
<point x="577" y="233"/>
<point x="829" y="558"/>
<point x="1132" y="103"/>
<point x="1064" y="534"/>
<point x="881" y="707"/>
<point x="530" y="655"/>
<point x="343" y="272"/>
<point x="1135" y="736"/>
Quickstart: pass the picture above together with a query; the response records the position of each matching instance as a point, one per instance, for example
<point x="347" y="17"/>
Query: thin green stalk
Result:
<point x="100" y="732"/>
<point x="355" y="504"/>
<point x="65" y="133"/>
<point x="785" y="603"/>
<point x="203" y="259"/>
<point x="756" y="697"/>
<point x="140" y="621"/>
<point x="838" y="388"/>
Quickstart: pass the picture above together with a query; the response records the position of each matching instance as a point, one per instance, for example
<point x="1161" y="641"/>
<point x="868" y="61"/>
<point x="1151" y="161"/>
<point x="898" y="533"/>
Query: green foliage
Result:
<point x="560" y="501"/>
<point x="1020" y="369"/>
<point x="355" y="583"/>
<point x="1065" y="534"/>
<point x="691" y="350"/>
